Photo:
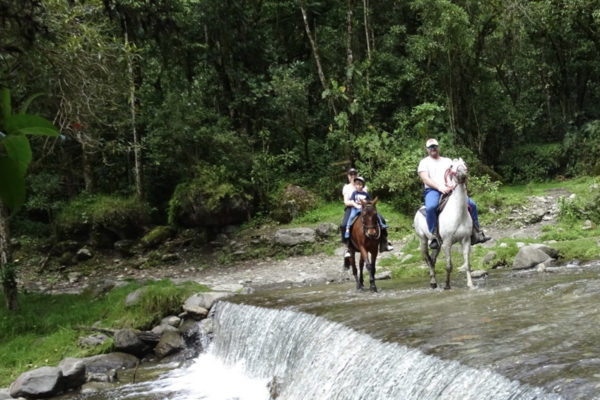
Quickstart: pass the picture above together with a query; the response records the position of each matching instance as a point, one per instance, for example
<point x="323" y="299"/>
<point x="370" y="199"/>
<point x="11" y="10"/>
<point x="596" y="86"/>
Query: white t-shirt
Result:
<point x="436" y="168"/>
<point x="348" y="189"/>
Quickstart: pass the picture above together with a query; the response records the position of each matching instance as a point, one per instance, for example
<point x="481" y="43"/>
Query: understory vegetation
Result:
<point x="48" y="326"/>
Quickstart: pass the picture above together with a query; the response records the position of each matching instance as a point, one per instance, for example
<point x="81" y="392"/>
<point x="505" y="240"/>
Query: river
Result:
<point x="517" y="335"/>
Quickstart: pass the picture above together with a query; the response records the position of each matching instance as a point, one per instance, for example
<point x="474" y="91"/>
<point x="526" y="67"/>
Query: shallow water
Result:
<point x="537" y="328"/>
<point x="524" y="335"/>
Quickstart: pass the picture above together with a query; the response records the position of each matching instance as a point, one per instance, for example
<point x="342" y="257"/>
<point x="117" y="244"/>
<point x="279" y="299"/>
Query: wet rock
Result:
<point x="546" y="249"/>
<point x="528" y="257"/>
<point x="383" y="275"/>
<point x="478" y="274"/>
<point x="170" y="342"/>
<point x="127" y="341"/>
<point x="37" y="383"/>
<point x="93" y="340"/>
<point x="171" y="320"/>
<point x="73" y="373"/>
<point x="106" y="362"/>
<point x="204" y="300"/>
<point x="161" y="329"/>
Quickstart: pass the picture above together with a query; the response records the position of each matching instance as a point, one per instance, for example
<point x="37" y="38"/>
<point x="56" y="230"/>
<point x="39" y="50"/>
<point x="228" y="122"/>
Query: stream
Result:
<point x="517" y="335"/>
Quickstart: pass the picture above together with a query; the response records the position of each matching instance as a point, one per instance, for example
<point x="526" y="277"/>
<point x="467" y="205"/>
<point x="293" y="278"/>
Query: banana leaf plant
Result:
<point x="15" y="151"/>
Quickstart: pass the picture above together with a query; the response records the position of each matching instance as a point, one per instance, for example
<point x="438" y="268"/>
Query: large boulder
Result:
<point x="294" y="236"/>
<point x="170" y="342"/>
<point x="199" y="304"/>
<point x="38" y="383"/>
<point x="73" y="373"/>
<point x="529" y="257"/>
<point x="127" y="341"/>
<point x="293" y="201"/>
<point x="110" y="361"/>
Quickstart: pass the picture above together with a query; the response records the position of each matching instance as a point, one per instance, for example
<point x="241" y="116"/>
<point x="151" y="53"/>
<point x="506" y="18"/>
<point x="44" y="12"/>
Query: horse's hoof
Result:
<point x="433" y="285"/>
<point x="373" y="289"/>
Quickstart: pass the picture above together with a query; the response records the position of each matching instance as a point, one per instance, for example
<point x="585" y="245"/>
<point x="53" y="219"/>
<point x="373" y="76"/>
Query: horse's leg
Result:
<point x="430" y="261"/>
<point x="466" y="248"/>
<point x="371" y="268"/>
<point x="361" y="263"/>
<point x="353" y="263"/>
<point x="447" y="246"/>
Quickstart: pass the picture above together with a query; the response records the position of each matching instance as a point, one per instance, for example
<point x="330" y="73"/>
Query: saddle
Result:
<point x="442" y="203"/>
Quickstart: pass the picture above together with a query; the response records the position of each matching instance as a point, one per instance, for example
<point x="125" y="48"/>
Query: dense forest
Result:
<point x="198" y="112"/>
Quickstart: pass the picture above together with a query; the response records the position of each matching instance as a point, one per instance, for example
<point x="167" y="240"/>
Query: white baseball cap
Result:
<point x="431" y="142"/>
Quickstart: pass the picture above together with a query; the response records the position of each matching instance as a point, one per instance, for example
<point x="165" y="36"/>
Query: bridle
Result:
<point x="450" y="174"/>
<point x="367" y="227"/>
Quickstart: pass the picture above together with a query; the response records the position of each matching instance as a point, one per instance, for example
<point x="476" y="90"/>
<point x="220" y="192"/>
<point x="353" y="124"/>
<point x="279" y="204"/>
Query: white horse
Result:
<point x="455" y="225"/>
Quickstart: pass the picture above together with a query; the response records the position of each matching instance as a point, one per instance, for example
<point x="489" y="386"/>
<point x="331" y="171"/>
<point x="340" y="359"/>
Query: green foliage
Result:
<point x="398" y="181"/>
<point x="581" y="207"/>
<point x="43" y="333"/>
<point x="582" y="149"/>
<point x="159" y="234"/>
<point x="16" y="155"/>
<point x="125" y="216"/>
<point x="532" y="162"/>
<point x="212" y="192"/>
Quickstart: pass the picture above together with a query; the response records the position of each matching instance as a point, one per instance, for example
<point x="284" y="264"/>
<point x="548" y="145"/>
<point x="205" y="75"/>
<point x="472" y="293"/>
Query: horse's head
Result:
<point x="458" y="171"/>
<point x="369" y="217"/>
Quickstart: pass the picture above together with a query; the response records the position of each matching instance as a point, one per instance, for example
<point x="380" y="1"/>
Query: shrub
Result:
<point x="532" y="162"/>
<point x="212" y="198"/>
<point x="293" y="201"/>
<point x="124" y="217"/>
<point x="583" y="162"/>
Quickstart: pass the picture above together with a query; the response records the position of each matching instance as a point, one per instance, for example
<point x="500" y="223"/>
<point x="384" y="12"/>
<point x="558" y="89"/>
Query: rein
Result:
<point x="451" y="174"/>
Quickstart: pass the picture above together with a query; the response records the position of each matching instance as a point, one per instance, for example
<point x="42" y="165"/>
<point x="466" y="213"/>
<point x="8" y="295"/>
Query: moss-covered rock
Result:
<point x="157" y="236"/>
<point x="103" y="218"/>
<point x="210" y="199"/>
<point x="292" y="202"/>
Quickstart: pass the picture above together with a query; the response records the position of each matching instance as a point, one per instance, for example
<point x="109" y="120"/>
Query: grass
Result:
<point x="42" y="332"/>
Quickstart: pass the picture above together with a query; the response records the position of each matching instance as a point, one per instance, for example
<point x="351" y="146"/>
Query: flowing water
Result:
<point x="519" y="336"/>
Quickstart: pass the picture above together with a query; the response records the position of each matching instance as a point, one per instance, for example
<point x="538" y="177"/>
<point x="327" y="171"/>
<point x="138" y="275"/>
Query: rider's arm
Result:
<point x="424" y="175"/>
<point x="347" y="201"/>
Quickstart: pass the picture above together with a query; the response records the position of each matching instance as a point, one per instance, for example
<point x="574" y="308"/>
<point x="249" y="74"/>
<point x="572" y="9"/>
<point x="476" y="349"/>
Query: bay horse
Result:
<point x="455" y="225"/>
<point x="365" y="236"/>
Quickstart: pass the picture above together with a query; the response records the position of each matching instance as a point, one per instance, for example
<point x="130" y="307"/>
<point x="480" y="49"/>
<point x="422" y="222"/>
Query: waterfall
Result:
<point x="309" y="357"/>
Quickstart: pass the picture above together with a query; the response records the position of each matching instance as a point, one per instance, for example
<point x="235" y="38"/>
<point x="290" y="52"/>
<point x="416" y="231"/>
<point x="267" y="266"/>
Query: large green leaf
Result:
<point x="18" y="149"/>
<point x="12" y="183"/>
<point x="29" y="124"/>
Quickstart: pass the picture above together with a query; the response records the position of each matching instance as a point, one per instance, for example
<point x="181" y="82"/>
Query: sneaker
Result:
<point x="385" y="247"/>
<point x="347" y="254"/>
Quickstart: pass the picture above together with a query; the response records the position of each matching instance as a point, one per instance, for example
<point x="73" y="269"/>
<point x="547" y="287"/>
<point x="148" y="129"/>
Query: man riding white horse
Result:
<point x="432" y="171"/>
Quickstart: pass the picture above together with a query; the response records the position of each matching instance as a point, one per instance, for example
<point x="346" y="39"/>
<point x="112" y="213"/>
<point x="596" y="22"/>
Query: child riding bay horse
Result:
<point x="365" y="236"/>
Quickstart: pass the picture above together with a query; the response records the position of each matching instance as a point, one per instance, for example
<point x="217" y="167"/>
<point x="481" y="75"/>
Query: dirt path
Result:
<point x="523" y="222"/>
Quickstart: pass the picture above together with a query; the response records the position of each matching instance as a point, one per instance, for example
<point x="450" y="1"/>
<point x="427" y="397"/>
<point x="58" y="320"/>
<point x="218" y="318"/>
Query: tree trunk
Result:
<point x="136" y="143"/>
<point x="7" y="272"/>
<point x="366" y="23"/>
<point x="315" y="50"/>
<point x="88" y="170"/>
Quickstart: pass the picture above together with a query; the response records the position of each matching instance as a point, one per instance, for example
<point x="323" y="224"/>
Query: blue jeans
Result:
<point x="432" y="199"/>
